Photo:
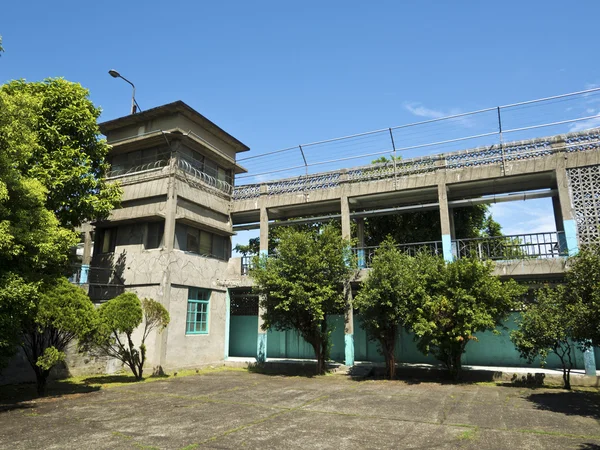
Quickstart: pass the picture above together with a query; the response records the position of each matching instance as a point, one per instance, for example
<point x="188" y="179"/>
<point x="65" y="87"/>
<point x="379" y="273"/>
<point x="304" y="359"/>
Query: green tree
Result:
<point x="303" y="283"/>
<point x="392" y="290"/>
<point x="463" y="298"/>
<point x="52" y="168"/>
<point x="547" y="325"/>
<point x="118" y="319"/>
<point x="33" y="245"/>
<point x="70" y="158"/>
<point x="583" y="291"/>
<point x="63" y="313"/>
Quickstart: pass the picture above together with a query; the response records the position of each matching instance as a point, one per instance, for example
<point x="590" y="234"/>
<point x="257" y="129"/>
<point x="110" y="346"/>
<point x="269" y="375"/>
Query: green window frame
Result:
<point x="197" y="311"/>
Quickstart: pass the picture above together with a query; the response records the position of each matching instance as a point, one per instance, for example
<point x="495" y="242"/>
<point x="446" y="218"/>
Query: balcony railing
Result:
<point x="517" y="246"/>
<point x="364" y="255"/>
<point x="130" y="170"/>
<point x="247" y="264"/>
<point x="187" y="166"/>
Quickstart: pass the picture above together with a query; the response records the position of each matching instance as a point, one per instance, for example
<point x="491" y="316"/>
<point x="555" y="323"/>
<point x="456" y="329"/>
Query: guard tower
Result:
<point x="170" y="239"/>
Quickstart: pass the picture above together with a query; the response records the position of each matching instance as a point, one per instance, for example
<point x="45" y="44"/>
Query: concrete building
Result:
<point x="170" y="240"/>
<point x="171" y="237"/>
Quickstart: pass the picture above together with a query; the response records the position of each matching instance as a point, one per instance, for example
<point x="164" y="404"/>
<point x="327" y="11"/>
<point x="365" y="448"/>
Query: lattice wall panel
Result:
<point x="585" y="193"/>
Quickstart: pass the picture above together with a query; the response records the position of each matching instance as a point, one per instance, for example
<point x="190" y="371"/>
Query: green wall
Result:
<point x="281" y="344"/>
<point x="489" y="350"/>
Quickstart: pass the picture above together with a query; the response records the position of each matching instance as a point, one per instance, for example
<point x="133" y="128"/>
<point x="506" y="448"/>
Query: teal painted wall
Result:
<point x="289" y="344"/>
<point x="243" y="336"/>
<point x="490" y="349"/>
<point x="281" y="344"/>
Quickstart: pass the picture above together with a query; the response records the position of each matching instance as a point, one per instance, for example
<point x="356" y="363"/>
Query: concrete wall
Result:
<point x="190" y="350"/>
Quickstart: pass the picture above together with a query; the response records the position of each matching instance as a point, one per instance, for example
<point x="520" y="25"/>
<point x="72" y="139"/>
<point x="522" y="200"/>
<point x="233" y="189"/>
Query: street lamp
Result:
<point x="134" y="104"/>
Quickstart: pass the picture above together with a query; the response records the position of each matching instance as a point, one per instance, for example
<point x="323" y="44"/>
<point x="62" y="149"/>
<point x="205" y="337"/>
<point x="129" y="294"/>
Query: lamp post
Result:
<point x="134" y="104"/>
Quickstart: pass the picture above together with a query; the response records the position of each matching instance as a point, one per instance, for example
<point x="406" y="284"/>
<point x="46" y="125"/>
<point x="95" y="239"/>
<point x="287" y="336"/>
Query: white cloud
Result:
<point x="419" y="110"/>
<point x="594" y="122"/>
<point x="525" y="217"/>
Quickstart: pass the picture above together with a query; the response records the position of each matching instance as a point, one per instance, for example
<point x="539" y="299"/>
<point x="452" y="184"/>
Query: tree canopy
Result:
<point x="63" y="313"/>
<point x="547" y="325"/>
<point x="303" y="283"/>
<point x="70" y="158"/>
<point x="52" y="169"/>
<point x="463" y="298"/>
<point x="582" y="283"/>
<point x="118" y="319"/>
<point x="387" y="299"/>
<point x="33" y="245"/>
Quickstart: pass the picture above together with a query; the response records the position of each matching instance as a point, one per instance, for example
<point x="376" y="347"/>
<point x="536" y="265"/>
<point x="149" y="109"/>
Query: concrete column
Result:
<point x="227" y="324"/>
<point x="261" y="345"/>
<point x="445" y="222"/>
<point x="569" y="227"/>
<point x="87" y="252"/>
<point x="360" y="234"/>
<point x="560" y="227"/>
<point x="589" y="362"/>
<point x="348" y="312"/>
<point x="566" y="209"/>
<point x="169" y="238"/>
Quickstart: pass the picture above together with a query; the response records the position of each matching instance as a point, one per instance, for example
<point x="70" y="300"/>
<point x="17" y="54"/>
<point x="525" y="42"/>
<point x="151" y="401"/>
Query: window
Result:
<point x="205" y="243"/>
<point x="108" y="240"/>
<point x="197" y="311"/>
<point x="155" y="234"/>
<point x="193" y="240"/>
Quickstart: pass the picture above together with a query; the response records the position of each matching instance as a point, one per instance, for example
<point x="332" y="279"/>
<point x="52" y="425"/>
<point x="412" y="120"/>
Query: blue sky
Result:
<point x="276" y="74"/>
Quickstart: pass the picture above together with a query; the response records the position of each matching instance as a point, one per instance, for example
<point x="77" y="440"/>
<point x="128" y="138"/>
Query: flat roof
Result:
<point x="174" y="107"/>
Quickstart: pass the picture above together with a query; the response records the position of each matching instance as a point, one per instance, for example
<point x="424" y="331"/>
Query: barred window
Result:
<point x="197" y="311"/>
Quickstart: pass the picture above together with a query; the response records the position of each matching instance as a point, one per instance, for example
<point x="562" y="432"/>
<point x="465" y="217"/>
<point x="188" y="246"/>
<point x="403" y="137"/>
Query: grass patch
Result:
<point x="468" y="435"/>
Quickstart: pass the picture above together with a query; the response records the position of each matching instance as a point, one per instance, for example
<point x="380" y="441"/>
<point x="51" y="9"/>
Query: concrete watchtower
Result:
<point x="171" y="237"/>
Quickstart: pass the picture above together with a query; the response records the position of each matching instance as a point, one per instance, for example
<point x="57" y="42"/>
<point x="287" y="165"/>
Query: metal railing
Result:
<point x="516" y="246"/>
<point x="116" y="173"/>
<point x="187" y="167"/>
<point x="436" y="133"/>
<point x="497" y="154"/>
<point x="247" y="264"/>
<point x="205" y="178"/>
<point x="364" y="255"/>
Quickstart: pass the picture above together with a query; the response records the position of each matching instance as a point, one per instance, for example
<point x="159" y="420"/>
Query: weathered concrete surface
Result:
<point x="239" y="409"/>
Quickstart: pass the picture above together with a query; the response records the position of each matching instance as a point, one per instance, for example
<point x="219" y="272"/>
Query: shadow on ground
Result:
<point x="21" y="396"/>
<point x="276" y="369"/>
<point x="585" y="404"/>
<point x="24" y="395"/>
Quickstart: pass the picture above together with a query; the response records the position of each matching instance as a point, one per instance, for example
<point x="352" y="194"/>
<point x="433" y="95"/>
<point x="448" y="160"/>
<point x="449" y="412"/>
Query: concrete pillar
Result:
<point x="87" y="252"/>
<point x="589" y="362"/>
<point x="261" y="345"/>
<point x="227" y="324"/>
<point x="360" y="234"/>
<point x="445" y="222"/>
<point x="560" y="227"/>
<point x="569" y="227"/>
<point x="566" y="209"/>
<point x="348" y="312"/>
<point x="169" y="238"/>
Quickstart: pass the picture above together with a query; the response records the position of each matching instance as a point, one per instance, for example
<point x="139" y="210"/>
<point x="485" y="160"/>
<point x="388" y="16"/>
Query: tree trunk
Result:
<point x="456" y="364"/>
<point x="319" y="355"/>
<point x="41" y="378"/>
<point x="388" y="344"/>
<point x="567" y="378"/>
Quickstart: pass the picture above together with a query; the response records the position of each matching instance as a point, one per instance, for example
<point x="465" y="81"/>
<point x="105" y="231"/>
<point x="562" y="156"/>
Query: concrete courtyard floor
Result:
<point x="239" y="409"/>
